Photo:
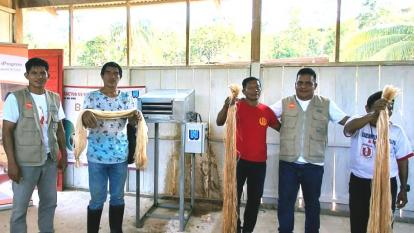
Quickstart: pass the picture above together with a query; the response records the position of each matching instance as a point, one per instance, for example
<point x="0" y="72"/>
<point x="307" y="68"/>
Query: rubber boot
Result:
<point x="94" y="219"/>
<point x="116" y="215"/>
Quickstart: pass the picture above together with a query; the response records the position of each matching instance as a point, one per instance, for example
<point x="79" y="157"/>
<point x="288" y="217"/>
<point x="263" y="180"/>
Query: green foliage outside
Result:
<point x="154" y="47"/>
<point x="52" y="34"/>
<point x="218" y="43"/>
<point x="377" y="34"/>
<point x="299" y="42"/>
<point x="101" y="49"/>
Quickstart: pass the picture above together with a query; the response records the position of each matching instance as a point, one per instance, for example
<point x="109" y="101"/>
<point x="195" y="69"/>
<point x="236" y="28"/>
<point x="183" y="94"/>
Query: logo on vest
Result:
<point x="291" y="105"/>
<point x="262" y="121"/>
<point x="28" y="105"/>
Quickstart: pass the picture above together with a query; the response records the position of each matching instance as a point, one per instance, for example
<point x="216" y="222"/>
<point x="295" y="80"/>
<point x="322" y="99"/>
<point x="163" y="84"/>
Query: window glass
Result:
<point x="377" y="30"/>
<point x="220" y="31"/>
<point x="99" y="36"/>
<point x="298" y="31"/>
<point x="158" y="40"/>
<point x="46" y="28"/>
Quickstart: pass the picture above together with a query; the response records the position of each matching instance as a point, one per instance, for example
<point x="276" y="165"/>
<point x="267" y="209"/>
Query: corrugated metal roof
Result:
<point x="85" y="3"/>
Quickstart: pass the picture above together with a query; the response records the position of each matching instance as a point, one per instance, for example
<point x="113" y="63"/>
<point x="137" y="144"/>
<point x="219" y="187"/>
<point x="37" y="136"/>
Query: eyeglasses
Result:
<point x="306" y="84"/>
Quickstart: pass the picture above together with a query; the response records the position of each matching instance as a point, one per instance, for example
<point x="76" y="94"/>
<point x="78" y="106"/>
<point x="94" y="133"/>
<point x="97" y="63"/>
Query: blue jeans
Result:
<point x="99" y="174"/>
<point x="309" y="177"/>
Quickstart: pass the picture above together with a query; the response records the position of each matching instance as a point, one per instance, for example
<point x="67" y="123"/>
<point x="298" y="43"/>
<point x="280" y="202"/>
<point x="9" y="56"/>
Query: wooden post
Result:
<point x="256" y="28"/>
<point x="338" y="31"/>
<point x="71" y="46"/>
<point x="128" y="34"/>
<point x="187" y="35"/>
<point x="17" y="24"/>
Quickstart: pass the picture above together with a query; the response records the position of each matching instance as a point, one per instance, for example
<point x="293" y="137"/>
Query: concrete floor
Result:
<point x="71" y="217"/>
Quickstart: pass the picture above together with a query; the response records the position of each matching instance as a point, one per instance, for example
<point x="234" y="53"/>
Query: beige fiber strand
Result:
<point x="380" y="217"/>
<point x="140" y="155"/>
<point x="230" y="163"/>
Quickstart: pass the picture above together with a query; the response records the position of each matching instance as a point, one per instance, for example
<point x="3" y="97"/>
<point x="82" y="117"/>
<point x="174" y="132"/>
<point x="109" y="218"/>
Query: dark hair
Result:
<point x="308" y="71"/>
<point x="248" y="79"/>
<point x="372" y="98"/>
<point x="35" y="61"/>
<point x="111" y="64"/>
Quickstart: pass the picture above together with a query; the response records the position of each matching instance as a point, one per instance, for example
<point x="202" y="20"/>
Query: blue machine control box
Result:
<point x="196" y="137"/>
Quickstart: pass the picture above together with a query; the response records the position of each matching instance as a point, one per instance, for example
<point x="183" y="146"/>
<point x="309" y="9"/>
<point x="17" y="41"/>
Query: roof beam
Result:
<point x="45" y="3"/>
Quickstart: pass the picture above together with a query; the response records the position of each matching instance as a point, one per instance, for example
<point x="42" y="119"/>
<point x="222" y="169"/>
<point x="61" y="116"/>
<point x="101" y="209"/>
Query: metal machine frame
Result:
<point x="182" y="216"/>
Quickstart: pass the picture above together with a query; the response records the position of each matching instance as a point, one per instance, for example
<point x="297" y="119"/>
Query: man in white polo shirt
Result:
<point x="363" y="133"/>
<point x="305" y="117"/>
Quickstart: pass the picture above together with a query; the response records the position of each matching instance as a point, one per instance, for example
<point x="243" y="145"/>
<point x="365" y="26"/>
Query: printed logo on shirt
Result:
<point x="42" y="116"/>
<point x="366" y="150"/>
<point x="291" y="105"/>
<point x="262" y="121"/>
<point x="373" y="138"/>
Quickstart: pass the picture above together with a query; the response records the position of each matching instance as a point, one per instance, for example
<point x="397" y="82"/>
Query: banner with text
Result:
<point x="12" y="68"/>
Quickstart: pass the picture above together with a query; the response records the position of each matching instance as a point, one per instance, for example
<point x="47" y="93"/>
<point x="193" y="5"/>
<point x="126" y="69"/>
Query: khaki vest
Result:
<point x="28" y="145"/>
<point x="304" y="133"/>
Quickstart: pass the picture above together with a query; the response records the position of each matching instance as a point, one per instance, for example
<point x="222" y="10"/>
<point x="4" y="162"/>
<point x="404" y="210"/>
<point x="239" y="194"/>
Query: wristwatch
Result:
<point x="406" y="188"/>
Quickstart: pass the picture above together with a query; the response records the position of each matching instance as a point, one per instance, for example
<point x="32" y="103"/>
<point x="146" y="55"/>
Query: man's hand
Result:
<point x="379" y="105"/>
<point x="222" y="115"/>
<point x="402" y="199"/>
<point x="229" y="103"/>
<point x="13" y="171"/>
<point x="89" y="120"/>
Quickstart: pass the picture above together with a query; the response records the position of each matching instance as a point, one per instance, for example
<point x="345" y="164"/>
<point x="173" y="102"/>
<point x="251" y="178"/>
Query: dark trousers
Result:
<point x="291" y="175"/>
<point x="254" y="173"/>
<point x="359" y="202"/>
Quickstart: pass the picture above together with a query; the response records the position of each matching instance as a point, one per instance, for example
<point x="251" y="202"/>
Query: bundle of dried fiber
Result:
<point x="142" y="134"/>
<point x="380" y="217"/>
<point x="230" y="163"/>
<point x="142" y="141"/>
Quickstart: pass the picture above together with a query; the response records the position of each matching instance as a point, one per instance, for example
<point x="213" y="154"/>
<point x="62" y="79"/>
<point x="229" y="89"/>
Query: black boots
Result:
<point x="116" y="215"/>
<point x="94" y="218"/>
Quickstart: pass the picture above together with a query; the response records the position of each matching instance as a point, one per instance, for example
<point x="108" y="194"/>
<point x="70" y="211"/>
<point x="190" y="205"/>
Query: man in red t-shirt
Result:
<point x="253" y="119"/>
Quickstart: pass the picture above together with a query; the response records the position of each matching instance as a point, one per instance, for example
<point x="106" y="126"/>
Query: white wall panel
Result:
<point x="185" y="79"/>
<point x="75" y="77"/>
<point x="202" y="95"/>
<point x="348" y="86"/>
<point x="367" y="83"/>
<point x="272" y="170"/>
<point x="289" y="79"/>
<point x="219" y="92"/>
<point x="341" y="175"/>
<point x="272" y="86"/>
<point x="169" y="79"/>
<point x="328" y="175"/>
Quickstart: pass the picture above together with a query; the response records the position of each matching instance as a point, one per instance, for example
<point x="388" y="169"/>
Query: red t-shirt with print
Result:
<point x="252" y="123"/>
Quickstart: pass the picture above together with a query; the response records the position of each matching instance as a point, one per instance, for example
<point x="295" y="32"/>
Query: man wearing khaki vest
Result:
<point x="32" y="137"/>
<point x="303" y="137"/>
